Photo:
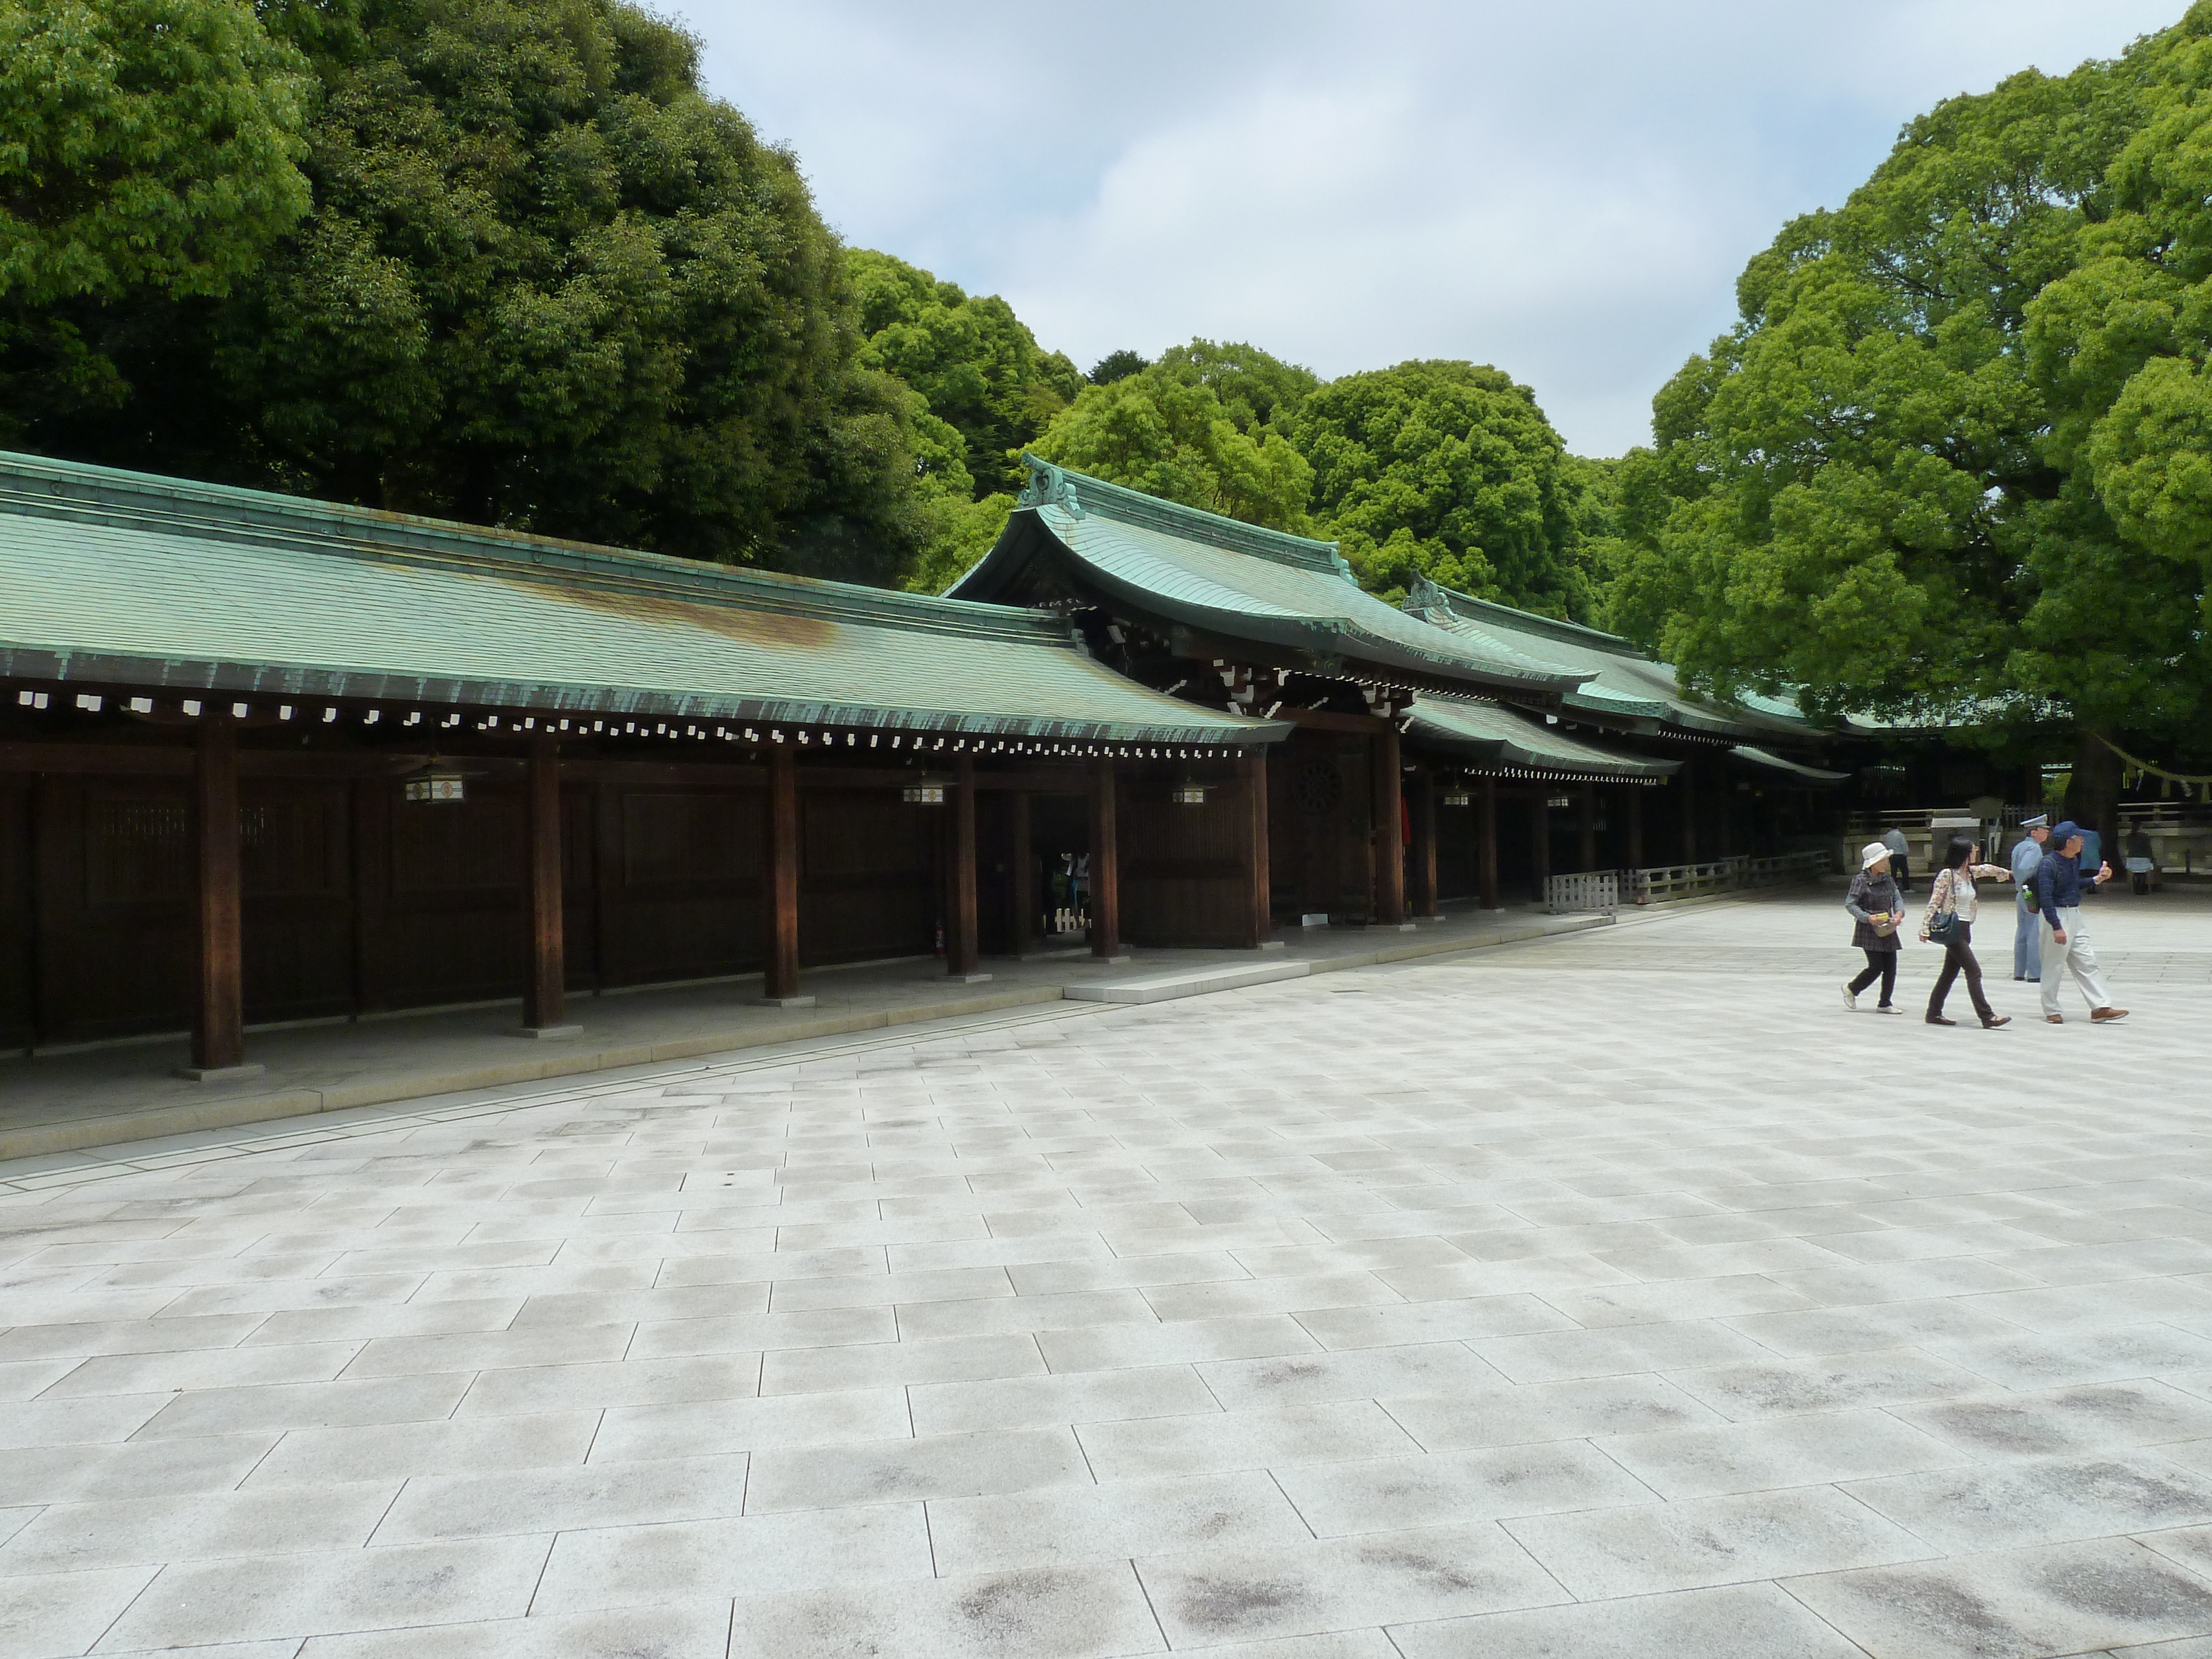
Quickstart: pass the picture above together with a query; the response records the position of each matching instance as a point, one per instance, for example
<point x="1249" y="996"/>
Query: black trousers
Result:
<point x="1958" y="958"/>
<point x="1881" y="965"/>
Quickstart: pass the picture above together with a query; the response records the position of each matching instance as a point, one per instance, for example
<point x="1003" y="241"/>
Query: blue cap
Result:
<point x="2065" y="832"/>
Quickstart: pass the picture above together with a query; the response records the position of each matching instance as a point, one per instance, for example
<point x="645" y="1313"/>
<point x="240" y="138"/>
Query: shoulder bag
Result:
<point x="1943" y="926"/>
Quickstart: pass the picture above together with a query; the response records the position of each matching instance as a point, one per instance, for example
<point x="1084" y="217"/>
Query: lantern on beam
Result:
<point x="924" y="792"/>
<point x="440" y="781"/>
<point x="1456" y="795"/>
<point x="1188" y="794"/>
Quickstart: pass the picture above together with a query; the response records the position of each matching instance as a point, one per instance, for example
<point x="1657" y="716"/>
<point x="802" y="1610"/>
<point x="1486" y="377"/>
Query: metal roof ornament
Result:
<point x="1048" y="486"/>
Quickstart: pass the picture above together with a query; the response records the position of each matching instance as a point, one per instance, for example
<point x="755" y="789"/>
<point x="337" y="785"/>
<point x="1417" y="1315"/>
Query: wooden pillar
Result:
<point x="1539" y="830"/>
<point x="1421" y="899"/>
<point x="1686" y="807"/>
<point x="1635" y="794"/>
<point x="219" y="1008"/>
<point x="1022" y="930"/>
<point x="544" y="995"/>
<point x="782" y="976"/>
<point x="1586" y="826"/>
<point x="1105" y="865"/>
<point x="1387" y="814"/>
<point x="1259" y="904"/>
<point x="960" y="944"/>
<point x="1485" y="853"/>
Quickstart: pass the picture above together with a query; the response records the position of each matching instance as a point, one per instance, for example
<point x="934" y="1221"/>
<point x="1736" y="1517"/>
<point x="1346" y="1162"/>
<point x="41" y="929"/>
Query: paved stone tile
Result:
<point x="257" y="1597"/>
<point x="1335" y="1584"/>
<point x="1736" y="1621"/>
<point x="2045" y="1500"/>
<point x="1631" y="1275"/>
<point x="1038" y="1612"/>
<point x="1652" y="1547"/>
<point x="58" y="1613"/>
<point x="1385" y="1494"/>
<point x="693" y="1631"/>
<point x="870" y="1546"/>
<point x="2069" y="1599"/>
<point x="1077" y="1526"/>
<point x="889" y="1471"/>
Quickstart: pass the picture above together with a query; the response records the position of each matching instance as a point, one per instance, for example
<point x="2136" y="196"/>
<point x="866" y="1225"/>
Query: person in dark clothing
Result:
<point x="1876" y="911"/>
<point x="1952" y="894"/>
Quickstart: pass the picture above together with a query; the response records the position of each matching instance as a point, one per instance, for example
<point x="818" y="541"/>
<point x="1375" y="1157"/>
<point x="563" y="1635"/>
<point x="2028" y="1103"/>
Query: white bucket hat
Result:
<point x="1871" y="854"/>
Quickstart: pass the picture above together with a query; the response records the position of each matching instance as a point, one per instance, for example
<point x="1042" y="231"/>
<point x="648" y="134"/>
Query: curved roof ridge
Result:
<point x="1086" y="496"/>
<point x="1428" y="595"/>
<point x="40" y="487"/>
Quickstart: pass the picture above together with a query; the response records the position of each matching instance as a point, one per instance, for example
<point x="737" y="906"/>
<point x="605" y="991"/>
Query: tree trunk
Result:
<point x="2093" y="793"/>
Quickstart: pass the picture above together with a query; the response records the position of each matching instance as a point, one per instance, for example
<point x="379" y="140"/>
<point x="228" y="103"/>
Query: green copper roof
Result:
<point x="1231" y="582"/>
<point x="1509" y="740"/>
<point x="1620" y="680"/>
<point x="121" y="578"/>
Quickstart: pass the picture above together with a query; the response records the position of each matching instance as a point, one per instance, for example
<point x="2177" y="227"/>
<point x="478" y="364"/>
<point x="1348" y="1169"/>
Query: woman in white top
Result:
<point x="1952" y="894"/>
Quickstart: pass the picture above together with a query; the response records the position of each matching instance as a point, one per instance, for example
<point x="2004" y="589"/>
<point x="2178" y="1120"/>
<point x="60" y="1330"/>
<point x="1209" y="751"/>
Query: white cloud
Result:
<point x="1566" y="190"/>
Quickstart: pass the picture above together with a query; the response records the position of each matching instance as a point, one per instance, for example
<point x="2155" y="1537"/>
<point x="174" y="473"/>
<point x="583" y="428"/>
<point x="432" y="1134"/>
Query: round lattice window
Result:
<point x="1318" y="787"/>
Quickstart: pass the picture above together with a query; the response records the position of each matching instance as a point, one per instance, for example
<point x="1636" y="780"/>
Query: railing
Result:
<point x="1664" y="883"/>
<point x="1598" y="889"/>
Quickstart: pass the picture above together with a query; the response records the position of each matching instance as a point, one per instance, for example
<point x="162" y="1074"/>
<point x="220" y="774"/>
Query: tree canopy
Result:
<point x="545" y="282"/>
<point x="1448" y="470"/>
<point x="974" y="362"/>
<point x="1952" y="460"/>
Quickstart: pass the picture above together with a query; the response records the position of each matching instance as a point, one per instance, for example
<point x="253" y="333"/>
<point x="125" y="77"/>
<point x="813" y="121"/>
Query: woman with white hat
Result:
<point x="1877" y="910"/>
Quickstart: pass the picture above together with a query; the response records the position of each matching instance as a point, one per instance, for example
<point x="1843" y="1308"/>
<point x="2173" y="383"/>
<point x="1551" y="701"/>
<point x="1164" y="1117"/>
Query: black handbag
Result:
<point x="1943" y="926"/>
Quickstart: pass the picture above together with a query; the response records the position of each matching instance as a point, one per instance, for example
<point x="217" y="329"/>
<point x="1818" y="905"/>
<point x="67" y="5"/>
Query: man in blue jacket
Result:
<point x="2058" y="881"/>
<point x="2027" y="927"/>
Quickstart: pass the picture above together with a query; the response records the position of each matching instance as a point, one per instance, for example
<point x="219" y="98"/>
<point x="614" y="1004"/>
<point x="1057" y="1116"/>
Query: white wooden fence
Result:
<point x="1664" y="883"/>
<point x="1598" y="889"/>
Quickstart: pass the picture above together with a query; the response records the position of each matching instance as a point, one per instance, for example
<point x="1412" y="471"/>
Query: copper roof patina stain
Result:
<point x="786" y="630"/>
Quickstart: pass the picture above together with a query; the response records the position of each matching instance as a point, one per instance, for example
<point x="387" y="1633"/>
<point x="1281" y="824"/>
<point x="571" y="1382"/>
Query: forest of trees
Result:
<point x="507" y="261"/>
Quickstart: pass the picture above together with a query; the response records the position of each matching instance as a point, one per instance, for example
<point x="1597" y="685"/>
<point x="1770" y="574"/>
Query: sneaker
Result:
<point x="2106" y="1016"/>
<point x="1884" y="1008"/>
<point x="1850" y="999"/>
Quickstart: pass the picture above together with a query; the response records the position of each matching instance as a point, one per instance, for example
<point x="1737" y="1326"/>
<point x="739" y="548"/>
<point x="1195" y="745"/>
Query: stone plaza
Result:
<point x="1612" y="1296"/>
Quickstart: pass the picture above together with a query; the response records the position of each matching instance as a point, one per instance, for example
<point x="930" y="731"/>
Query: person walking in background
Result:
<point x="1952" y="905"/>
<point x="2058" y="889"/>
<point x="1900" y="867"/>
<point x="1876" y="911"/>
<point x="2028" y="925"/>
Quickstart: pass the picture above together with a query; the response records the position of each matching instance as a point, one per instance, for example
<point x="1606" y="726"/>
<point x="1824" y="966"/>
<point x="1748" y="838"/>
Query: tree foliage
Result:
<point x="974" y="362"/>
<point x="1953" y="458"/>
<point x="1448" y="470"/>
<point x="1167" y="429"/>
<point x="546" y="283"/>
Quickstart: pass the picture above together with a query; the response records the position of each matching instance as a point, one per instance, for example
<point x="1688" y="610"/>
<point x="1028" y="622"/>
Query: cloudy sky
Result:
<point x="1566" y="189"/>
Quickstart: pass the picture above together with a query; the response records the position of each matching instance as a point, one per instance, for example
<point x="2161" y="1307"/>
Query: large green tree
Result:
<point x="1168" y="429"/>
<point x="146" y="146"/>
<point x="974" y="362"/>
<point x="1448" y="470"/>
<point x="546" y="282"/>
<point x="1951" y="462"/>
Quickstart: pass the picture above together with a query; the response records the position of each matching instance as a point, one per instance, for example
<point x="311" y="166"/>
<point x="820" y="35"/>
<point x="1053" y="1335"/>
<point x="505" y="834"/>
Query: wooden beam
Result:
<point x="219" y="1004"/>
<point x="1421" y="899"/>
<point x="1105" y="865"/>
<point x="1486" y="843"/>
<point x="1251" y="812"/>
<point x="1539" y="824"/>
<point x="1635" y="793"/>
<point x="1586" y="826"/>
<point x="1686" y="807"/>
<point x="1321" y="720"/>
<point x="782" y="976"/>
<point x="544" y="995"/>
<point x="1387" y="815"/>
<point x="960" y="944"/>
<point x="1022" y="925"/>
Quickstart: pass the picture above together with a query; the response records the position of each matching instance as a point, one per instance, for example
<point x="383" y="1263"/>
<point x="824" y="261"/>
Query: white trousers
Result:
<point x="2076" y="954"/>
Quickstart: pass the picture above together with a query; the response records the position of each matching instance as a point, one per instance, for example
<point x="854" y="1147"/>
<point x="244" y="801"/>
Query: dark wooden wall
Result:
<point x="1317" y="825"/>
<point x="1183" y="878"/>
<point x="356" y="900"/>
